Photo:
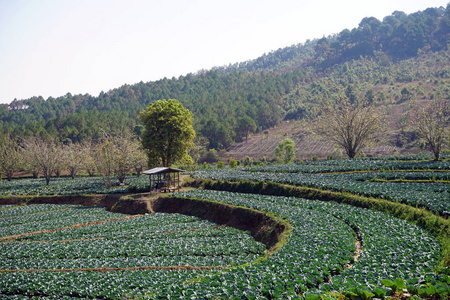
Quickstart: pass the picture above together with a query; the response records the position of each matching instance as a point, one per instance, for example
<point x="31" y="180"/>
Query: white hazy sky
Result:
<point x="52" y="47"/>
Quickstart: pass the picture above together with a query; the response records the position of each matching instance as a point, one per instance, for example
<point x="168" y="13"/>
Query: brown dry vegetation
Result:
<point x="396" y="140"/>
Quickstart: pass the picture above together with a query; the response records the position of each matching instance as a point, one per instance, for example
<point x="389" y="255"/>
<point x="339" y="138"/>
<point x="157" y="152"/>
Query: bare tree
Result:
<point x="89" y="150"/>
<point x="42" y="155"/>
<point x="62" y="161"/>
<point x="138" y="159"/>
<point x="104" y="160"/>
<point x="432" y="123"/>
<point x="124" y="150"/>
<point x="350" y="127"/>
<point x="75" y="157"/>
<point x="10" y="156"/>
<point x="114" y="156"/>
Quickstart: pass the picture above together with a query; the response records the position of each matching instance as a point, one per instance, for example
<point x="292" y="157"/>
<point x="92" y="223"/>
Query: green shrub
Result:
<point x="233" y="163"/>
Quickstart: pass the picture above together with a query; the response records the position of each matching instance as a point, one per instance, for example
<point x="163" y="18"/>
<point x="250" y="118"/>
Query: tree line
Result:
<point x="112" y="156"/>
<point x="229" y="103"/>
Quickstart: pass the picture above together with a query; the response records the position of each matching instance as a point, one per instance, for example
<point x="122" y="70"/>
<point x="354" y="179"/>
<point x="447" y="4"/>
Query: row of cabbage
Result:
<point x="126" y="284"/>
<point x="69" y="186"/>
<point x="156" y="239"/>
<point x="334" y="236"/>
<point x="413" y="157"/>
<point x="434" y="196"/>
<point x="320" y="247"/>
<point x="354" y="165"/>
<point x="32" y="218"/>
<point x="142" y="241"/>
<point x="391" y="247"/>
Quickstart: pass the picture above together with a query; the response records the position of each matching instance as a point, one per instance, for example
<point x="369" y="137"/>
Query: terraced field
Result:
<point x="424" y="184"/>
<point x="327" y="250"/>
<point x="54" y="241"/>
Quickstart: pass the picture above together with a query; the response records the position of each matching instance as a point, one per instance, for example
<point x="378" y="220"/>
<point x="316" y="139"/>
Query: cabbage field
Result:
<point x="333" y="250"/>
<point x="76" y="186"/>
<point x="422" y="184"/>
<point x="171" y="245"/>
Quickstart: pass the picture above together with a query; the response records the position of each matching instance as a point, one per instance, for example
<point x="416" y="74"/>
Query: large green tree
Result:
<point x="246" y="126"/>
<point x="168" y="132"/>
<point x="285" y="151"/>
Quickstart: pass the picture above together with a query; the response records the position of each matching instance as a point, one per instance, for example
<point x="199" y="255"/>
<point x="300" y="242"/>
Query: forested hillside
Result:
<point x="401" y="58"/>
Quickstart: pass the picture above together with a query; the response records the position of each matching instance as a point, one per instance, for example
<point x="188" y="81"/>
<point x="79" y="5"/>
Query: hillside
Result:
<point x="393" y="62"/>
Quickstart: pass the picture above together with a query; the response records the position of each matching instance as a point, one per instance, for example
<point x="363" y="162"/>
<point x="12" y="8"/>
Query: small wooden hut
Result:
<point x="164" y="179"/>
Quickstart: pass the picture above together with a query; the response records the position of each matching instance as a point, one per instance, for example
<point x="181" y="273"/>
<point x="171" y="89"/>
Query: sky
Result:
<point x="54" y="47"/>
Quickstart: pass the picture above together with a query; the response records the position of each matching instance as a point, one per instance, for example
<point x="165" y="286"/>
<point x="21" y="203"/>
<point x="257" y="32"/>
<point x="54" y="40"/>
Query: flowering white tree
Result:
<point x="42" y="155"/>
<point x="116" y="154"/>
<point x="10" y="156"/>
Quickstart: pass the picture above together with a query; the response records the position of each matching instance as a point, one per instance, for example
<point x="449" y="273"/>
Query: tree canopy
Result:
<point x="168" y="132"/>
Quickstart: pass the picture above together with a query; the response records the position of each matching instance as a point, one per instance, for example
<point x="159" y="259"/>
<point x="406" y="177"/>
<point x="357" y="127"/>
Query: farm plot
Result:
<point x="172" y="245"/>
<point x="435" y="196"/>
<point x="32" y="218"/>
<point x="391" y="247"/>
<point x="68" y="186"/>
<point x="318" y="254"/>
<point x="354" y="165"/>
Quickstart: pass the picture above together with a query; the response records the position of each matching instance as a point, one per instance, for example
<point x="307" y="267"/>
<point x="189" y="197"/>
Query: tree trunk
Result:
<point x="138" y="171"/>
<point x="121" y="178"/>
<point x="436" y="155"/>
<point x="351" y="153"/>
<point x="73" y="172"/>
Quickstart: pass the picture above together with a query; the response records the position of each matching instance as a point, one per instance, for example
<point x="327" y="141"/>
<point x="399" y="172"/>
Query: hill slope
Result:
<point x="389" y="62"/>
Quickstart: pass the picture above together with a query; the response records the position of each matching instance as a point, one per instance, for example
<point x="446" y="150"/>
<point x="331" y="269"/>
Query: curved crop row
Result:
<point x="68" y="186"/>
<point x="392" y="247"/>
<point x="146" y="240"/>
<point x="354" y="165"/>
<point x="317" y="255"/>
<point x="55" y="216"/>
<point x="434" y="196"/>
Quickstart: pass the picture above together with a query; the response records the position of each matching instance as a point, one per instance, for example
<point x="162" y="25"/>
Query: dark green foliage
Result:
<point x="168" y="132"/>
<point x="230" y="102"/>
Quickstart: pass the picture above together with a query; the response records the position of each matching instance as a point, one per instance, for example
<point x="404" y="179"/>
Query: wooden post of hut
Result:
<point x="161" y="179"/>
